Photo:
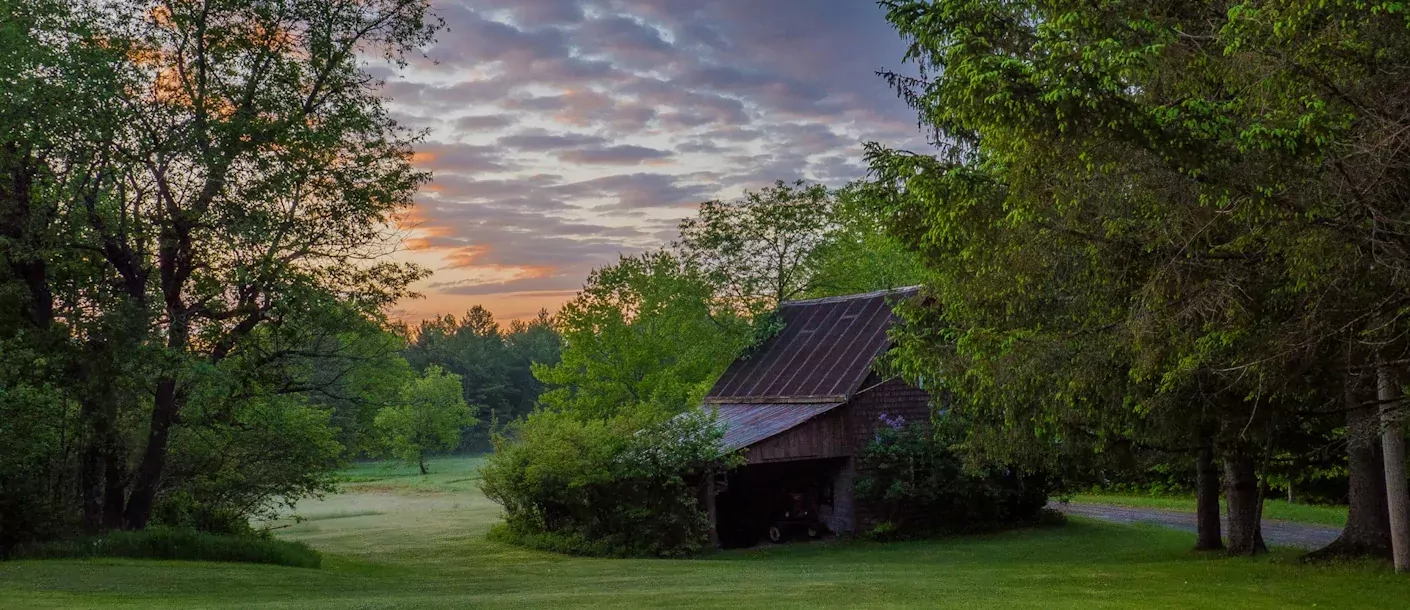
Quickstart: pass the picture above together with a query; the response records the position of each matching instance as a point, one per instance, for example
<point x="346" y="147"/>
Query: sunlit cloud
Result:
<point x="565" y="133"/>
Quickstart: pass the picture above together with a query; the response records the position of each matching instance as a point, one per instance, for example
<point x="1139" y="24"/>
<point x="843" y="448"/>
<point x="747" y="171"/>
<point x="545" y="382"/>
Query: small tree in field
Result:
<point x="429" y="418"/>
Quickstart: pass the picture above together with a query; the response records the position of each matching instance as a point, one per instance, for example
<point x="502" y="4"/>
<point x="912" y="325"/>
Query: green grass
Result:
<point x="420" y="543"/>
<point x="1272" y="509"/>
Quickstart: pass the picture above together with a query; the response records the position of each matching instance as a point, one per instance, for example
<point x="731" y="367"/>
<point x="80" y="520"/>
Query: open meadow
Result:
<point x="397" y="539"/>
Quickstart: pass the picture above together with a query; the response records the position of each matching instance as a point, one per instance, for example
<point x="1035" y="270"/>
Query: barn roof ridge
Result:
<point x="904" y="290"/>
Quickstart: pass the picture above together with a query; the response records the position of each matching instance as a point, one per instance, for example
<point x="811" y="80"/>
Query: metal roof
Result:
<point x="823" y="353"/>
<point x="746" y="424"/>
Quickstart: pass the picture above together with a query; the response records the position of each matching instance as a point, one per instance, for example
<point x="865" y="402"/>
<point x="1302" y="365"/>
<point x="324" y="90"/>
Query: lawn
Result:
<point x="1272" y="509"/>
<point x="400" y="540"/>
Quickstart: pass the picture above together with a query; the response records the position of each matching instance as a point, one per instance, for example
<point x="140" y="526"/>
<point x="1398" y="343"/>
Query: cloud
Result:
<point x="640" y="191"/>
<point x="483" y="122"/>
<point x="471" y="38"/>
<point x="566" y="132"/>
<point x="463" y="158"/>
<point x="540" y="140"/>
<point x="701" y="146"/>
<point x="558" y="282"/>
<point x="544" y="12"/>
<point x="626" y="154"/>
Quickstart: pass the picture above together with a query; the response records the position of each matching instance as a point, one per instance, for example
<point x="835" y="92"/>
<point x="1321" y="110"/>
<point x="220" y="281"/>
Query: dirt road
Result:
<point x="1275" y="533"/>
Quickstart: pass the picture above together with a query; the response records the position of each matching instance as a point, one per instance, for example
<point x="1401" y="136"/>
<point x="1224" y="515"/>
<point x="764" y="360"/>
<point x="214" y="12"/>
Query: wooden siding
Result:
<point x="825" y="436"/>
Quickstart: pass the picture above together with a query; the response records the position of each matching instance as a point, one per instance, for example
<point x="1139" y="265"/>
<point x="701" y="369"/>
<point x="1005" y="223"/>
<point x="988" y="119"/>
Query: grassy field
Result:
<point x="1272" y="509"/>
<point x="400" y="540"/>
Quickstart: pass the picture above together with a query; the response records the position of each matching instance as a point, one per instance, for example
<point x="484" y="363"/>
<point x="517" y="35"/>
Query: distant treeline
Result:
<point x="495" y="364"/>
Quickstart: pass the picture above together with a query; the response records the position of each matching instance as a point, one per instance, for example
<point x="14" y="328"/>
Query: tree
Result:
<point x="1166" y="194"/>
<point x="857" y="254"/>
<point x="760" y="250"/>
<point x="529" y="343"/>
<point x="494" y="365"/>
<point x="648" y="330"/>
<point x="471" y="346"/>
<point x="193" y="176"/>
<point x="427" y="419"/>
<point x="269" y="182"/>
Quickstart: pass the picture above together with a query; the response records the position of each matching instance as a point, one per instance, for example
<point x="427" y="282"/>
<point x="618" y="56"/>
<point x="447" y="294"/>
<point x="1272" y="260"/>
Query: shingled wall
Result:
<point x="875" y="398"/>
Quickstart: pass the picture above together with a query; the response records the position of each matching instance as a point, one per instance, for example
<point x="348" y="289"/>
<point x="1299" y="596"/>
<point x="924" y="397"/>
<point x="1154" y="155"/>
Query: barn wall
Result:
<point x="823" y="437"/>
<point x="863" y="414"/>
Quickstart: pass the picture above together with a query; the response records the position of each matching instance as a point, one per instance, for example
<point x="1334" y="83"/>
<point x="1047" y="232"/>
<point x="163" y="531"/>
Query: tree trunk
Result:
<point x="90" y="482"/>
<point x="1393" y="448"/>
<point x="97" y="467"/>
<point x="1210" y="535"/>
<point x="114" y="488"/>
<point x="1367" y="531"/>
<point x="149" y="472"/>
<point x="711" y="509"/>
<point x="1245" y="504"/>
<point x="422" y="463"/>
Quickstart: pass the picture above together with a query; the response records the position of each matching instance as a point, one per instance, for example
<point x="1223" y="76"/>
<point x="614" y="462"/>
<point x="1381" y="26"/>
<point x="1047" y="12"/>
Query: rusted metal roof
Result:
<point x="823" y="353"/>
<point x="746" y="424"/>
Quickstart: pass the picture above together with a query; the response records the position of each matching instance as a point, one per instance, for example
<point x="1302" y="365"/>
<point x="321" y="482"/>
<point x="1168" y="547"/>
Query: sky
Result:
<point x="565" y="133"/>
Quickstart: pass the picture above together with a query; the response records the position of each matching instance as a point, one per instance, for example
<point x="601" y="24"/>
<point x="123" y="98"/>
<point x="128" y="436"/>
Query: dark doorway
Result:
<point x="777" y="502"/>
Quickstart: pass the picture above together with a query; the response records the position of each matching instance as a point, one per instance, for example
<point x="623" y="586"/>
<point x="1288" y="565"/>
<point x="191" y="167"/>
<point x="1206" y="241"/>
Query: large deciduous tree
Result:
<point x="186" y="179"/>
<point x="760" y="250"/>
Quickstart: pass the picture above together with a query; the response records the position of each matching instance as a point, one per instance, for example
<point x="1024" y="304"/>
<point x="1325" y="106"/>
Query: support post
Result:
<point x="710" y="509"/>
<point x="1393" y="448"/>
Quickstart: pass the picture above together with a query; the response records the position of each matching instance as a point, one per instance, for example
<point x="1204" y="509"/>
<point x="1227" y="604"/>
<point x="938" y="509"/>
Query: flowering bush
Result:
<point x="621" y="486"/>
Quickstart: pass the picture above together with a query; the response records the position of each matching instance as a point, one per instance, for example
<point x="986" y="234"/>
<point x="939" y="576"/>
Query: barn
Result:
<point x="803" y="407"/>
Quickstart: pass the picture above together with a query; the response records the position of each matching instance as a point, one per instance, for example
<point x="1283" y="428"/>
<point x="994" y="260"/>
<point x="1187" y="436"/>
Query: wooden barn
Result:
<point x="803" y="407"/>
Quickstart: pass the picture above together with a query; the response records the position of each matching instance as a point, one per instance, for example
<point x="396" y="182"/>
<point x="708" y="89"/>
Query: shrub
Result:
<point x="921" y="487"/>
<point x="173" y="543"/>
<point x="180" y="510"/>
<point x="567" y="543"/>
<point x="621" y="486"/>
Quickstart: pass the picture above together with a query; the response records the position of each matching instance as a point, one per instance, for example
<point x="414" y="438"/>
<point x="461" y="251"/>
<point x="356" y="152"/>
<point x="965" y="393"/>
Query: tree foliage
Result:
<point x="759" y="251"/>
<point x="921" y="486"/>
<point x="795" y="240"/>
<point x="495" y="364"/>
<point x="426" y="419"/>
<point x="1171" y="228"/>
<point x="197" y="199"/>
<point x="649" y="330"/>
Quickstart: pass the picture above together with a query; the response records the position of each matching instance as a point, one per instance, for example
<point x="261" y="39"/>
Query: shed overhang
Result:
<point x="749" y="423"/>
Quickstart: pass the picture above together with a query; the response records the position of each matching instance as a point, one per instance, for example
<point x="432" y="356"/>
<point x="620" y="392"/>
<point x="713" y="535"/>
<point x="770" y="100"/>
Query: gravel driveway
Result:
<point x="1275" y="533"/>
